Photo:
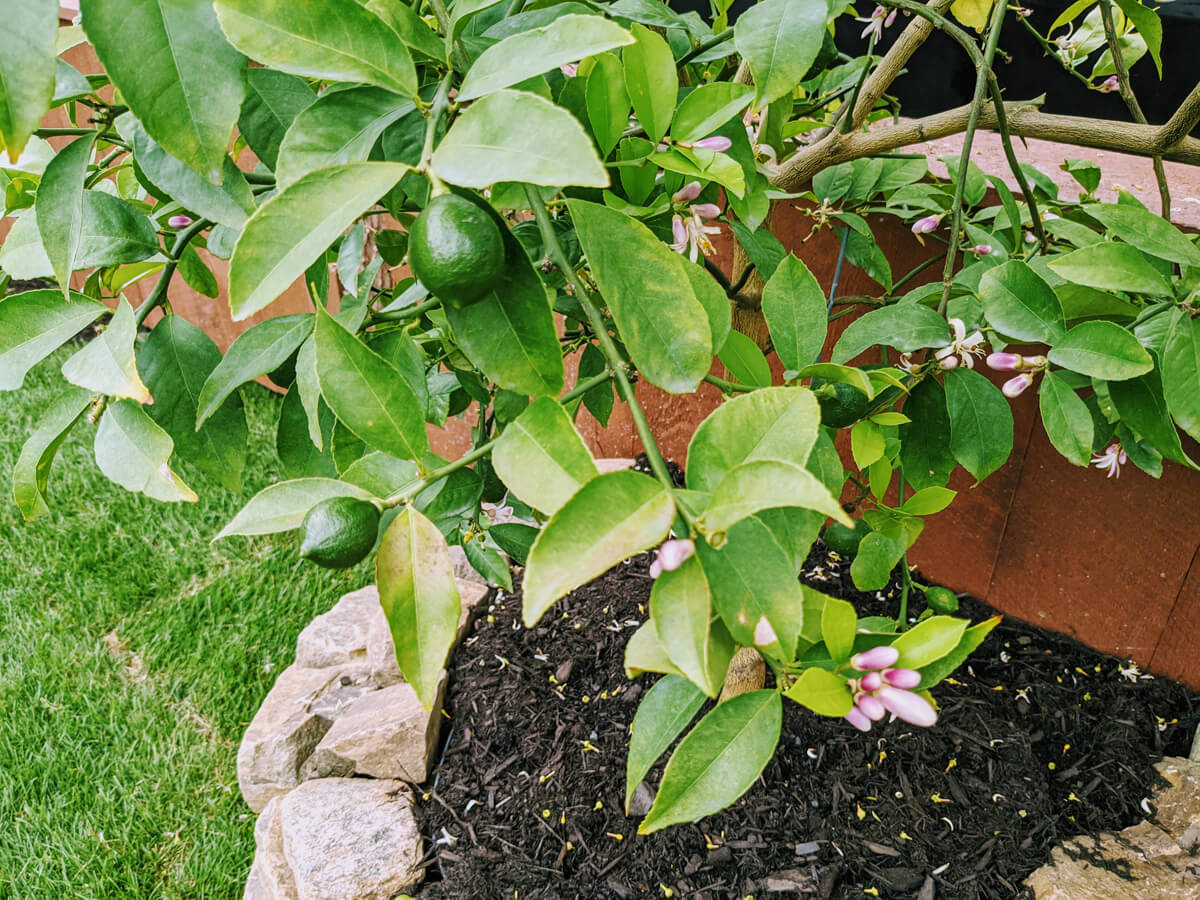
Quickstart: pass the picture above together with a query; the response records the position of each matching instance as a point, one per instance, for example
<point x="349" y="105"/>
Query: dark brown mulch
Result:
<point x="1040" y="739"/>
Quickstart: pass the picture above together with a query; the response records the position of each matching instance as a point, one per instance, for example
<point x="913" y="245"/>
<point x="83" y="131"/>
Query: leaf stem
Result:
<point x="159" y="294"/>
<point x="729" y="387"/>
<point x="704" y="47"/>
<point x="441" y="101"/>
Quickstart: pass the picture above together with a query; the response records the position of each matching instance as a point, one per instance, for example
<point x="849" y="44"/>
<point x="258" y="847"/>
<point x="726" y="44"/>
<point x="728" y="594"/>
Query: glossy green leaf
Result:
<point x="856" y="378"/>
<point x="35" y="324"/>
<point x="645" y="285"/>
<point x="867" y="443"/>
<point x="697" y="163"/>
<point x="259" y="351"/>
<point x="292" y="229"/>
<point x="368" y="394"/>
<point x="1102" y="350"/>
<point x="175" y="362"/>
<point x="409" y="27"/>
<point x="839" y="625"/>
<point x="712" y="297"/>
<point x="718" y="761"/>
<point x="518" y="136"/>
<point x="1147" y="232"/>
<point x="877" y="556"/>
<point x="906" y="326"/>
<point x="273" y="100"/>
<point x="609" y="519"/>
<point x="32" y="469"/>
<point x="937" y="670"/>
<point x="607" y="101"/>
<point x="928" y="501"/>
<point x="1112" y="267"/>
<point x="283" y="506"/>
<point x="60" y="207"/>
<point x="567" y="39"/>
<point x="328" y="39"/>
<point x="184" y="82"/>
<point x="767" y="484"/>
<point x="1019" y="304"/>
<point x="489" y="564"/>
<point x="779" y="423"/>
<point x="645" y="653"/>
<point x="928" y="641"/>
<point x="198" y="276"/>
<point x="821" y="691"/>
<point x="651" y="80"/>
<point x="780" y="40"/>
<point x="105" y="364"/>
<point x="795" y="309"/>
<point x="687" y="627"/>
<point x="1181" y="370"/>
<point x="707" y="108"/>
<point x="27" y="70"/>
<point x="541" y="457"/>
<point x="21" y="254"/>
<point x="1066" y="419"/>
<point x="662" y="715"/>
<point x="744" y="360"/>
<point x="1149" y="27"/>
<point x="381" y="474"/>
<point x="339" y="127"/>
<point x="1142" y="407"/>
<point x="134" y="452"/>
<point x="981" y="422"/>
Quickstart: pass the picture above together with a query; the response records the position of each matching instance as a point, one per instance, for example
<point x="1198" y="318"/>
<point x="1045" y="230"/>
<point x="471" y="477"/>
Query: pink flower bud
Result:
<point x="673" y="554"/>
<point x="908" y="706"/>
<point x="927" y="225"/>
<point x="891" y="17"/>
<point x="948" y="362"/>
<point x="858" y="719"/>
<point x="687" y="193"/>
<point x="871" y="682"/>
<point x="656" y="569"/>
<point x="179" y="221"/>
<point x="716" y="142"/>
<point x="1016" y="385"/>
<point x="1035" y="362"/>
<point x="902" y="678"/>
<point x="982" y="249"/>
<point x="570" y="69"/>
<point x="1110" y="84"/>
<point x="875" y="658"/>
<point x="871" y="708"/>
<point x="706" y="210"/>
<point x="1005" y="362"/>
<point x="679" y="230"/>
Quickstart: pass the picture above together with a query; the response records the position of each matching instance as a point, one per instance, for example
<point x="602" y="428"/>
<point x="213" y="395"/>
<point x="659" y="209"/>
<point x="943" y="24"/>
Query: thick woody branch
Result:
<point x="1184" y="120"/>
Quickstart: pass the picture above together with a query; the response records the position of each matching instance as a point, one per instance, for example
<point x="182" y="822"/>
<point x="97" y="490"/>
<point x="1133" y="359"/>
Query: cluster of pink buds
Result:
<point x="671" y="555"/>
<point x="882" y="690"/>
<point x="963" y="349"/>
<point x="690" y="232"/>
<point x="1110" y="84"/>
<point x="1027" y="366"/>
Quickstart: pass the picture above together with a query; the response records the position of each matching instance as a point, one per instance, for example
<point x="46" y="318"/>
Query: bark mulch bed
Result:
<point x="1040" y="739"/>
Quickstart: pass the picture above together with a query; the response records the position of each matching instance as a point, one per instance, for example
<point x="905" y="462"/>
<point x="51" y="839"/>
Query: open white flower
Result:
<point x="963" y="349"/>
<point x="691" y="234"/>
<point x="1111" y="460"/>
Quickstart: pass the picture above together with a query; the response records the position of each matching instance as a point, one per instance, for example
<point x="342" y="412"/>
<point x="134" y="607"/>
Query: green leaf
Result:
<point x="489" y="564"/>
<point x="1147" y="232"/>
<point x="609" y="519"/>
<point x="663" y="324"/>
<point x="877" y="555"/>
<point x="273" y="100"/>
<point x="198" y="276"/>
<point x="754" y="589"/>
<point x="1020" y="305"/>
<point x="981" y="422"/>
<point x="1102" y="350"/>
<point x="937" y="670"/>
<point x="135" y="453"/>
<point x="420" y="599"/>
<point x="259" y="351"/>
<point x="928" y="501"/>
<point x="694" y="639"/>
<point x="515" y="539"/>
<point x="718" y="761"/>
<point x="174" y="362"/>
<point x="867" y="444"/>
<point x="518" y="136"/>
<point x="850" y="375"/>
<point x="907" y="327"/>
<point x="651" y="80"/>
<point x="1141" y="406"/>
<point x="821" y="691"/>
<point x="767" y="484"/>
<point x="928" y="641"/>
<point x="184" y="82"/>
<point x="283" y="506"/>
<point x="340" y="127"/>
<point x="409" y="27"/>
<point x="60" y="207"/>
<point x="712" y="297"/>
<point x="368" y="394"/>
<point x="21" y="254"/>
<point x="772" y="423"/>
<point x="761" y="246"/>
<point x="795" y="309"/>
<point x="1181" y="370"/>
<point x="741" y="356"/>
<point x="1112" y="267"/>
<point x="381" y="474"/>
<point x="1066" y="419"/>
<point x="839" y="625"/>
<point x="662" y="715"/>
<point x="707" y="108"/>
<point x="27" y="70"/>
<point x="32" y="470"/>
<point x="1148" y="25"/>
<point x="645" y="653"/>
<point x="35" y="324"/>
<point x="541" y="457"/>
<point x="780" y="40"/>
<point x="521" y="56"/>
<point x="705" y="165"/>
<point x="607" y="101"/>
<point x="328" y="39"/>
<point x="292" y="229"/>
<point x="105" y="364"/>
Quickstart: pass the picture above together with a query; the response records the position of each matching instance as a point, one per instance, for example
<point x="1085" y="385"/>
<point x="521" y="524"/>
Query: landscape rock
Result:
<point x="614" y="464"/>
<point x="1152" y="859"/>
<point x="384" y="734"/>
<point x="270" y="876"/>
<point x="463" y="570"/>
<point x="339" y="636"/>
<point x="351" y="838"/>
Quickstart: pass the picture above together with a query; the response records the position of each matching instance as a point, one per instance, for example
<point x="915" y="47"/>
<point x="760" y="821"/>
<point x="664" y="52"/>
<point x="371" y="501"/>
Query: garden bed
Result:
<point x="1041" y="739"/>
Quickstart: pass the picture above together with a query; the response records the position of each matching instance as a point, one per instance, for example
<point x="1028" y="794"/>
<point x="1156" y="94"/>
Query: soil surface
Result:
<point x="1040" y="739"/>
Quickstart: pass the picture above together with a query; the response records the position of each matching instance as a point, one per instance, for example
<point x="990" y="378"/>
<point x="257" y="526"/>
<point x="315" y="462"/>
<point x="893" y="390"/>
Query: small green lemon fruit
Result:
<point x="456" y="250"/>
<point x="339" y="532"/>
<point x="941" y="600"/>
<point x="841" y="404"/>
<point x="844" y="541"/>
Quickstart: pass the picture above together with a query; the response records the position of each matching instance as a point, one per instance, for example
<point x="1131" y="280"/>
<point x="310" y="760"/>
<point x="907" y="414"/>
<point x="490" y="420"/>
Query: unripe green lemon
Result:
<point x="456" y="250"/>
<point x="844" y="541"/>
<point x="841" y="404"/>
<point x="941" y="600"/>
<point x="339" y="532"/>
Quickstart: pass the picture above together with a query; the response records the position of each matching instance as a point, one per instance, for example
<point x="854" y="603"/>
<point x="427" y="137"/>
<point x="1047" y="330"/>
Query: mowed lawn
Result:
<point x="133" y="652"/>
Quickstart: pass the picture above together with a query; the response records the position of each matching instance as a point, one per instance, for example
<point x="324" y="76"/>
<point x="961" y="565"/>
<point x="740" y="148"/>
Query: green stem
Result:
<point x="441" y="102"/>
<point x="705" y="46"/>
<point x="905" y="575"/>
<point x="1015" y="166"/>
<point x="411" y="312"/>
<point x="1051" y="51"/>
<point x="102" y="168"/>
<point x="846" y="122"/>
<point x="63" y="132"/>
<point x="729" y="387"/>
<point x="159" y="294"/>
<point x="920" y="267"/>
<point x="616" y="364"/>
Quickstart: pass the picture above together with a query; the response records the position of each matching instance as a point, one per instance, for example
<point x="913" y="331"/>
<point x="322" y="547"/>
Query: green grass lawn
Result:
<point x="133" y="652"/>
